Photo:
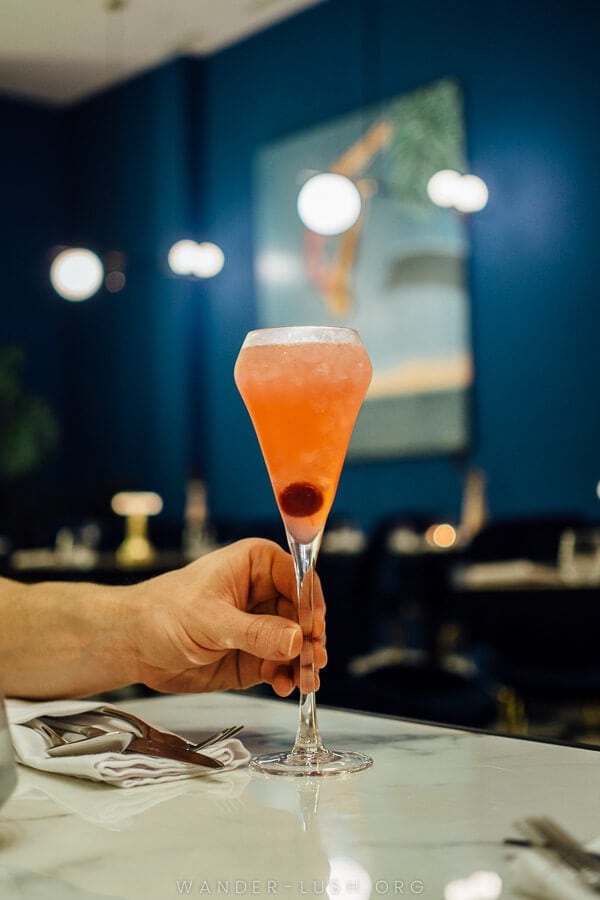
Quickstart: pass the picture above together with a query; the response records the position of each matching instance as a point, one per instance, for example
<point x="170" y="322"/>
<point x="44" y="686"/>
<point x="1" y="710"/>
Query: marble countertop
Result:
<point x="434" y="809"/>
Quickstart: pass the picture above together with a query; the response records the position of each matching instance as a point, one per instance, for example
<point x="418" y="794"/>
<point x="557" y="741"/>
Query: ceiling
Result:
<point x="60" y="51"/>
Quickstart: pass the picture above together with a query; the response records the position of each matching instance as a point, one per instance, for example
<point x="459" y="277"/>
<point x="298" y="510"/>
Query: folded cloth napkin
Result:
<point x="537" y="874"/>
<point x="119" y="769"/>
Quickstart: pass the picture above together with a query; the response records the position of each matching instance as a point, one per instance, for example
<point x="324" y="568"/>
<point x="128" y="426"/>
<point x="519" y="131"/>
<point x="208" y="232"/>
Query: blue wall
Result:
<point x="127" y="401"/>
<point x="31" y="223"/>
<point x="529" y="72"/>
<point x="143" y="378"/>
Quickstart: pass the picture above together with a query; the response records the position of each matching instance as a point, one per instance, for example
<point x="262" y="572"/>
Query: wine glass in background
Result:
<point x="579" y="556"/>
<point x="303" y="387"/>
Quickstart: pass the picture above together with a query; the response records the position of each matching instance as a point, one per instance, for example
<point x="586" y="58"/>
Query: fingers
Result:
<point x="264" y="621"/>
<point x="284" y="679"/>
<point x="263" y="636"/>
<point x="272" y="574"/>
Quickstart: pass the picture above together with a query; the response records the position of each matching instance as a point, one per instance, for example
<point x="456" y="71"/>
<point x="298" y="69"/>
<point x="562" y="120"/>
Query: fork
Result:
<point x="90" y="731"/>
<point x="548" y="835"/>
<point x="218" y="737"/>
<point x="94" y="738"/>
<point x="123" y="741"/>
<point x="154" y="733"/>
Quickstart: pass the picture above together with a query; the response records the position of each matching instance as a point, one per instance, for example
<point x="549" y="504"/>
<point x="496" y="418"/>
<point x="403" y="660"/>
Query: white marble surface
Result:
<point x="434" y="809"/>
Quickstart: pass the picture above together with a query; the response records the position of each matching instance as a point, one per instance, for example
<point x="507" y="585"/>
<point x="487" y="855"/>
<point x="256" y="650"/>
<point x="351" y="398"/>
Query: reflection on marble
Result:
<point x="8" y="775"/>
<point x="431" y="813"/>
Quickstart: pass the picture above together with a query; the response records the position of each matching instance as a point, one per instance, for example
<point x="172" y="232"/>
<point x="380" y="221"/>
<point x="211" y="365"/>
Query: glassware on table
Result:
<point x="303" y="387"/>
<point x="579" y="556"/>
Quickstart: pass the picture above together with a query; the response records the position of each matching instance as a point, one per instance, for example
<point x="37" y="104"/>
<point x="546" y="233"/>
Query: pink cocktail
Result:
<point x="303" y="387"/>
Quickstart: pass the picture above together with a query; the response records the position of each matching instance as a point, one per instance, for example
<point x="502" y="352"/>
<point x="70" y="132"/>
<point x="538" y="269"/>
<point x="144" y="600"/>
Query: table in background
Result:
<point x="434" y="808"/>
<point x="104" y="569"/>
<point x="528" y="612"/>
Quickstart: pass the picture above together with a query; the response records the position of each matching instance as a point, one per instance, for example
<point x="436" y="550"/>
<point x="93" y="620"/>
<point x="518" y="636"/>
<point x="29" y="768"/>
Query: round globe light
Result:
<point x="472" y="194"/>
<point x="76" y="274"/>
<point x="443" y="187"/>
<point x="182" y="257"/>
<point x="208" y="260"/>
<point x="329" y="204"/>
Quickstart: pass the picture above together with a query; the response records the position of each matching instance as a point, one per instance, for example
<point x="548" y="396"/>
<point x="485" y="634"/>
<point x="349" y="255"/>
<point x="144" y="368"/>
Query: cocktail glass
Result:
<point x="303" y="387"/>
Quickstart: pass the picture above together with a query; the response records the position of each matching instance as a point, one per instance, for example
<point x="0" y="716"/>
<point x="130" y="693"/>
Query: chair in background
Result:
<point x="539" y="639"/>
<point x="536" y="538"/>
<point x="396" y="596"/>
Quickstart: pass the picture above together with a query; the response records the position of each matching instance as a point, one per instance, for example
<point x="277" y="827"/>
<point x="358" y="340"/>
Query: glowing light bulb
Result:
<point x="443" y="186"/>
<point x="202" y="260"/>
<point x="208" y="260"/>
<point x="76" y="274"/>
<point x="467" y="193"/>
<point x="329" y="204"/>
<point x="182" y="256"/>
<point x="472" y="194"/>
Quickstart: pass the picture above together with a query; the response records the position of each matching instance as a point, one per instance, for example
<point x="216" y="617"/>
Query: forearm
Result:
<point x="59" y="639"/>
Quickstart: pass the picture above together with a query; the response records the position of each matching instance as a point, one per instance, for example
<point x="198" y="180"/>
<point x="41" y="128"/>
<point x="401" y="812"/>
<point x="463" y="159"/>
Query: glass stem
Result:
<point x="308" y="739"/>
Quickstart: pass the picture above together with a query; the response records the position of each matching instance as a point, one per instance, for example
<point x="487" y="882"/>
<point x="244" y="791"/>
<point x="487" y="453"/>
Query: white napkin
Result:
<point x="536" y="874"/>
<point x="119" y="769"/>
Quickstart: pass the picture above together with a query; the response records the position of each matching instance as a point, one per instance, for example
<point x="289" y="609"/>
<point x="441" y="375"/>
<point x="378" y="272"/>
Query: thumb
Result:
<point x="265" y="636"/>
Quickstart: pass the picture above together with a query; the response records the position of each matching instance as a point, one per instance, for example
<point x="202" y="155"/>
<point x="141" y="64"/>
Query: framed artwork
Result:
<point x="397" y="275"/>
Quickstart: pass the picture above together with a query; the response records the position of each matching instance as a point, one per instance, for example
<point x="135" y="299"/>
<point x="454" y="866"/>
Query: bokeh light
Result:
<point x="208" y="261"/>
<point x="76" y="273"/>
<point x="136" y="503"/>
<point x="203" y="260"/>
<point x="472" y="194"/>
<point x="443" y="186"/>
<point x="441" y="536"/>
<point x="329" y="204"/>
<point x="466" y="193"/>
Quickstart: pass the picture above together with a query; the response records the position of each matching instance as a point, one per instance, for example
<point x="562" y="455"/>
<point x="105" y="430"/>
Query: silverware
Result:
<point x="143" y="728"/>
<point x="99" y="742"/>
<point x="547" y="835"/>
<point x="523" y="842"/>
<point x="218" y="737"/>
<point x="156" y="734"/>
<point x="47" y="732"/>
<point x="155" y="748"/>
<point x="121" y="742"/>
<point x="70" y="732"/>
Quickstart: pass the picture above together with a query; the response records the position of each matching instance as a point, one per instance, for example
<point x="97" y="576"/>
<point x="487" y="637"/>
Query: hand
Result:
<point x="228" y="620"/>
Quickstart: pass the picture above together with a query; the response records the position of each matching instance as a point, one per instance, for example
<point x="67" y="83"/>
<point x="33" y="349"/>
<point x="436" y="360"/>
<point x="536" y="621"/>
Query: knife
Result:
<point x="155" y="748"/>
<point x="127" y="742"/>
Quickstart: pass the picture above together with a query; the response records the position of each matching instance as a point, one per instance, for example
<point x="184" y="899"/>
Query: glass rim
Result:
<point x="302" y="334"/>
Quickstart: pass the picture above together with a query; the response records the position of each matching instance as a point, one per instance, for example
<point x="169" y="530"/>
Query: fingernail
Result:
<point x="286" y="641"/>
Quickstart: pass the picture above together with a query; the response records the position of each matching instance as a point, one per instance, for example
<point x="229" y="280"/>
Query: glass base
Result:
<point x="316" y="762"/>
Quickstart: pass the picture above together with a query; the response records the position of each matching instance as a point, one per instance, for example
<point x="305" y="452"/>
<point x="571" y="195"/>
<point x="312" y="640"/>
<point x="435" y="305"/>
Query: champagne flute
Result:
<point x="303" y="387"/>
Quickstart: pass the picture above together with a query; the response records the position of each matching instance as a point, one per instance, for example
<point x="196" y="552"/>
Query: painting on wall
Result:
<point x="397" y="275"/>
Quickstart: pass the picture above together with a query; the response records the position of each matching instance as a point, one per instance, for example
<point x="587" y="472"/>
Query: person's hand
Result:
<point x="228" y="620"/>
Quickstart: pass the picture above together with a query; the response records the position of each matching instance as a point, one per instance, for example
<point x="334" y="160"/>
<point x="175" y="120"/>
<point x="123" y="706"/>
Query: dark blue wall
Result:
<point x="143" y="378"/>
<point x="529" y="72"/>
<point x="31" y="223"/>
<point x="127" y="402"/>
